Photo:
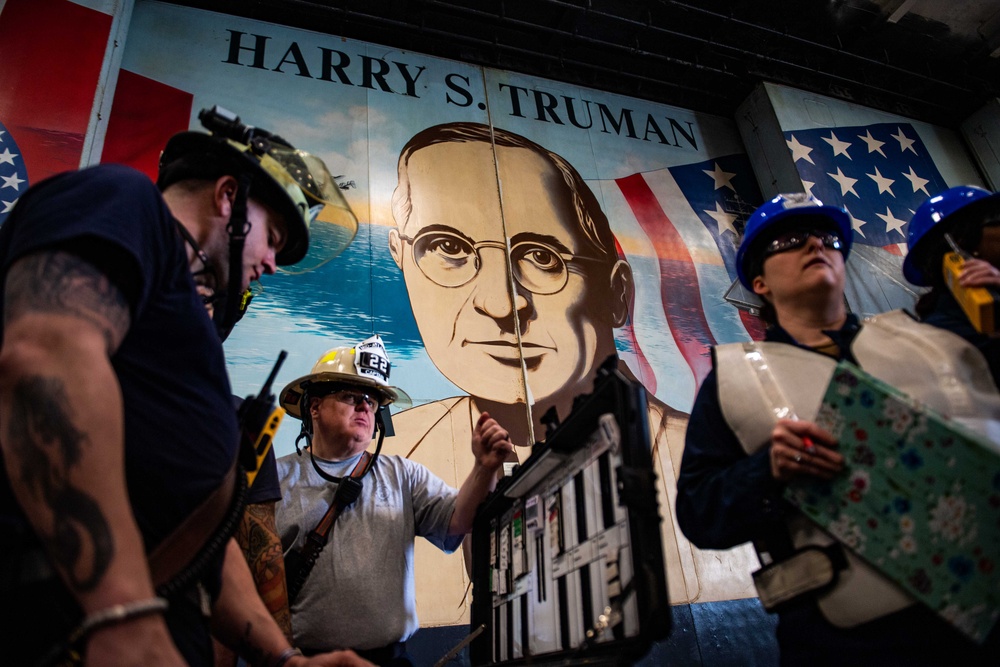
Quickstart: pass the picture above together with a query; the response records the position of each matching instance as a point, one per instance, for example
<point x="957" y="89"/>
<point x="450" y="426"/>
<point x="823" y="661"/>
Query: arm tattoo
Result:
<point x="47" y="446"/>
<point x="64" y="284"/>
<point x="257" y="536"/>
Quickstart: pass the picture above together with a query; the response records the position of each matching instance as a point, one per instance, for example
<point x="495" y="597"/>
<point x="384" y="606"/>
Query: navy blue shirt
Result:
<point x="179" y="425"/>
<point x="724" y="497"/>
<point x="265" y="487"/>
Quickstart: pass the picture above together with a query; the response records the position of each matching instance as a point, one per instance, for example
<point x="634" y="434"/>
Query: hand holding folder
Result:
<point x="919" y="498"/>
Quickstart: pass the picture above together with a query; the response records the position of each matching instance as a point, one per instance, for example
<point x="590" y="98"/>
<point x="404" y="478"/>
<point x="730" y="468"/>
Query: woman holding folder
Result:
<point x="752" y="431"/>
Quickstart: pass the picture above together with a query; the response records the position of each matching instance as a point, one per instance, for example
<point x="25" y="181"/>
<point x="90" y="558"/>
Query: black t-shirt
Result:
<point x="180" y="428"/>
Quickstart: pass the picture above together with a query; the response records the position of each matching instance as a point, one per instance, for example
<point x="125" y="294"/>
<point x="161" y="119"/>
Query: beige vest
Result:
<point x="932" y="365"/>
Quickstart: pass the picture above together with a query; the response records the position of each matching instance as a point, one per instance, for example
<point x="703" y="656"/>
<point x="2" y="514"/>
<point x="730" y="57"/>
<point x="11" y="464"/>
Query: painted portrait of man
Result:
<point x="516" y="286"/>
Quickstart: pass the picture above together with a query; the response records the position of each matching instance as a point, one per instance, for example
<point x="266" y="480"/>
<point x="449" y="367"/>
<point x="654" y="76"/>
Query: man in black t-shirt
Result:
<point x="115" y="412"/>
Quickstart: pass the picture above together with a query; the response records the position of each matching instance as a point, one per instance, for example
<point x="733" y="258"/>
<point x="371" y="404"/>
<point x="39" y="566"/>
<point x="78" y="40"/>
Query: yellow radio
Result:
<point x="259" y="420"/>
<point x="264" y="441"/>
<point x="981" y="304"/>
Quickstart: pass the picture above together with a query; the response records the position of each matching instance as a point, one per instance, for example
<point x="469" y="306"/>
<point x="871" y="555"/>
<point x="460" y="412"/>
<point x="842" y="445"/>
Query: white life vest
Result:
<point x="930" y="364"/>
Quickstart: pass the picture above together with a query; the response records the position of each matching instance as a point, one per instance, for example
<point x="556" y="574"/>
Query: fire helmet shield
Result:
<point x="370" y="360"/>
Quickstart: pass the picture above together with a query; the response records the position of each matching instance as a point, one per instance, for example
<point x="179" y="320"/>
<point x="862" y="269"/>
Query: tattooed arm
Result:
<point x="61" y="435"/>
<point x="240" y="620"/>
<point x="258" y="539"/>
<point x="257" y="536"/>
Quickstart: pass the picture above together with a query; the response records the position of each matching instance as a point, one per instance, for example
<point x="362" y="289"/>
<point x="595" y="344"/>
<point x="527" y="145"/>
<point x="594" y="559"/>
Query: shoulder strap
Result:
<point x="299" y="563"/>
<point x="339" y="502"/>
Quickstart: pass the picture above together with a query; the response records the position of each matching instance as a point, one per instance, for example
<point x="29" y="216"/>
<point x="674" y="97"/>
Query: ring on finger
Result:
<point x="798" y="457"/>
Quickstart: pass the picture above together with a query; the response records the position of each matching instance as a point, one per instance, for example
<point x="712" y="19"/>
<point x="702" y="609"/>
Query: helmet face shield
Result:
<point x="292" y="182"/>
<point x="328" y="220"/>
<point x="295" y="185"/>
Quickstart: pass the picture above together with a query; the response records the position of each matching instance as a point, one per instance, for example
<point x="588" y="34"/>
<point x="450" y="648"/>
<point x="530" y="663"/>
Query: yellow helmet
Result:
<point x="294" y="183"/>
<point x="364" y="365"/>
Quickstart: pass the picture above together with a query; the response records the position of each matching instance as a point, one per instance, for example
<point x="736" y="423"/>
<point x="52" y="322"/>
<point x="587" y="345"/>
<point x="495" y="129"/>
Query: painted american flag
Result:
<point x="51" y="53"/>
<point x="13" y="175"/>
<point x="880" y="173"/>
<point x="682" y="227"/>
<point x="691" y="218"/>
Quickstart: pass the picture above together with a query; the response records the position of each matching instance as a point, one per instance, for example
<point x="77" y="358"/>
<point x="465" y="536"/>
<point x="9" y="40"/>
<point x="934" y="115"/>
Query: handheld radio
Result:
<point x="259" y="420"/>
<point x="980" y="304"/>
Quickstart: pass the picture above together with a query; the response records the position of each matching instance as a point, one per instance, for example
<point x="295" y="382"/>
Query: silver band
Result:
<point x="120" y="612"/>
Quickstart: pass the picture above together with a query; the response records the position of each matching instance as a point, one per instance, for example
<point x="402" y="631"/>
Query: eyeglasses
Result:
<point x="451" y="261"/>
<point x="354" y="398"/>
<point x="796" y="238"/>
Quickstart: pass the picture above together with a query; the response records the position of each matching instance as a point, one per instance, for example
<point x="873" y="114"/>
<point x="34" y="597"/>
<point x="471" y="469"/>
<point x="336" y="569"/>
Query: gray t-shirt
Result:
<point x="360" y="594"/>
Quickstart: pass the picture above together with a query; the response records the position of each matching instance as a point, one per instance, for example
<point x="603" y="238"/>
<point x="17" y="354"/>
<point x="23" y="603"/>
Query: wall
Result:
<point x="674" y="187"/>
<point x="672" y="183"/>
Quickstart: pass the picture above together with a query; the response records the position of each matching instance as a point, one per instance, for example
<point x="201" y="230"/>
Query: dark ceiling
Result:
<point x="933" y="60"/>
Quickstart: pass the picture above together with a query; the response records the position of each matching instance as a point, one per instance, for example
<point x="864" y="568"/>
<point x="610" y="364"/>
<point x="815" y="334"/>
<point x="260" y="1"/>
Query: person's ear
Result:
<point x="396" y="247"/>
<point x="760" y="288"/>
<point x="622" y="286"/>
<point x="314" y="406"/>
<point x="224" y="194"/>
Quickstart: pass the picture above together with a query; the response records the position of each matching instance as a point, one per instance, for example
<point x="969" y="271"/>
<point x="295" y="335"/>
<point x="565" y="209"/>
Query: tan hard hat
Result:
<point x="365" y="365"/>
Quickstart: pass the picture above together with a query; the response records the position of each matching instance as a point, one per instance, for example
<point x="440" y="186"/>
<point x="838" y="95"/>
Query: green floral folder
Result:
<point x="919" y="498"/>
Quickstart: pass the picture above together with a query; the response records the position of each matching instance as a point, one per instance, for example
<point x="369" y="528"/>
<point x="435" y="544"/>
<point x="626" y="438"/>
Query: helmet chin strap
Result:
<point x="226" y="308"/>
<point x="230" y="313"/>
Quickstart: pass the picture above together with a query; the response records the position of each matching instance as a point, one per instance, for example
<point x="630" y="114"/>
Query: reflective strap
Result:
<point x="779" y="405"/>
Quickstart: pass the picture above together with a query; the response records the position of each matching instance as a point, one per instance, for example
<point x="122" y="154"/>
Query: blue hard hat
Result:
<point x="924" y="234"/>
<point x="784" y="208"/>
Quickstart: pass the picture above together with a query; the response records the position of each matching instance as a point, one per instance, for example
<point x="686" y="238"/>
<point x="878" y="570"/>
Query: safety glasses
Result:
<point x="796" y="238"/>
<point x="354" y="398"/>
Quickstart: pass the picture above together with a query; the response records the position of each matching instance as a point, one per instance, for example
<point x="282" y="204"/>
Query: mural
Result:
<point x="878" y="166"/>
<point x="42" y="133"/>
<point x="537" y="350"/>
<point x="515" y="233"/>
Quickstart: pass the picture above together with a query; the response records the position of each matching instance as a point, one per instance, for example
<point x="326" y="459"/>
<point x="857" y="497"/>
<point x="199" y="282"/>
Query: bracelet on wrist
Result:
<point x="284" y="657"/>
<point x="119" y="613"/>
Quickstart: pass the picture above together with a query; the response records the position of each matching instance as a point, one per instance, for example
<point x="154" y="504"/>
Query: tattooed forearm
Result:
<point x="258" y="538"/>
<point x="46" y="447"/>
<point x="62" y="283"/>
